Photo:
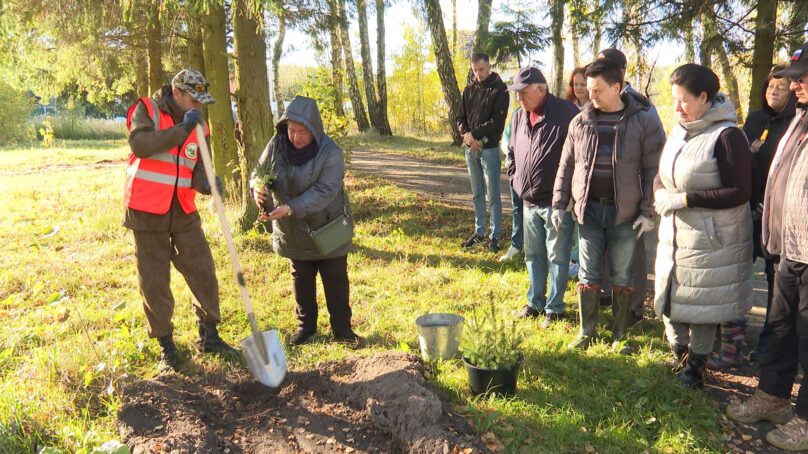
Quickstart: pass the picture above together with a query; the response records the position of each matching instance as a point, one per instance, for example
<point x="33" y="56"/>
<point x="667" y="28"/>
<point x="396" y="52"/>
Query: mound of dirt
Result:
<point x="375" y="404"/>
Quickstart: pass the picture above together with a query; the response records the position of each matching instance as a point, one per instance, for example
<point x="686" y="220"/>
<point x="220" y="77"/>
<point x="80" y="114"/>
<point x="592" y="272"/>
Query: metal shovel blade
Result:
<point x="269" y="370"/>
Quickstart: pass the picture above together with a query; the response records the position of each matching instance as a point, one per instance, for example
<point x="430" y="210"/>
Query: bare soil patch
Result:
<point x="374" y="404"/>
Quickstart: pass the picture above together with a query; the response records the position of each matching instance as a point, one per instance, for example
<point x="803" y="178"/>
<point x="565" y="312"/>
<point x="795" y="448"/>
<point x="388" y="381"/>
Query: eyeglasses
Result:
<point x="199" y="88"/>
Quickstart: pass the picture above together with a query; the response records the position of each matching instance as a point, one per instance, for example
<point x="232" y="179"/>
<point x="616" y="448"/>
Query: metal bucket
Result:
<point x="439" y="335"/>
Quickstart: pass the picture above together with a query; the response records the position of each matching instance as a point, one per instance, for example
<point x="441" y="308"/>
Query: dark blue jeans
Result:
<point x="517" y="234"/>
<point x="599" y="232"/>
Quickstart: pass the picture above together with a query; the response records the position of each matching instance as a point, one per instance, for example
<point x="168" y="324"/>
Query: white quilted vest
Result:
<point x="704" y="257"/>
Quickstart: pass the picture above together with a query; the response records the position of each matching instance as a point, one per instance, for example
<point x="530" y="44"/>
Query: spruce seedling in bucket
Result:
<point x="491" y="351"/>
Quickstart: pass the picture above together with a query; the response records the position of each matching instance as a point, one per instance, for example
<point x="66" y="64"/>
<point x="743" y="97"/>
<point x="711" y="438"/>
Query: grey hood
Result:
<point x="721" y="111"/>
<point x="303" y="110"/>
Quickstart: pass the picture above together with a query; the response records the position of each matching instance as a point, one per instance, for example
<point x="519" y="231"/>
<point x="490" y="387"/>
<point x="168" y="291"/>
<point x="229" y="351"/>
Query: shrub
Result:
<point x="15" y="108"/>
<point x="488" y="342"/>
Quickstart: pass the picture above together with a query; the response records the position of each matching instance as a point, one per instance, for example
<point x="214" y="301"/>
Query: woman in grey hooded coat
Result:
<point x="704" y="256"/>
<point x="308" y="191"/>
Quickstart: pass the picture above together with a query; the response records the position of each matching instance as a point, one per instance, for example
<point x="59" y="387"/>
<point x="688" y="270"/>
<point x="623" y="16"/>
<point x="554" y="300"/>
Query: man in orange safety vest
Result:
<point x="163" y="175"/>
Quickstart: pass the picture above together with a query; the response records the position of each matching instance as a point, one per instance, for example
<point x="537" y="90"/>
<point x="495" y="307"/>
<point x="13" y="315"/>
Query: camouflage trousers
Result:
<point x="190" y="253"/>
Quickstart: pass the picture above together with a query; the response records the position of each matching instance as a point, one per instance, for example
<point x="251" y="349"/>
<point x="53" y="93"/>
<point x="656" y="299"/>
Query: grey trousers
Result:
<point x="698" y="337"/>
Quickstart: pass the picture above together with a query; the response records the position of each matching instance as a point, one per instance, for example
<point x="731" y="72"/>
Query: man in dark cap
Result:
<point x="785" y="233"/>
<point x="162" y="178"/>
<point x="538" y="131"/>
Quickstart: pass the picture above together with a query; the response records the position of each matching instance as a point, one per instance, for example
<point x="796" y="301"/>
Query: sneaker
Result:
<point x="512" y="254"/>
<point x="551" y="318"/>
<point x="474" y="239"/>
<point x="528" y="312"/>
<point x="493" y="245"/>
<point x="301" y="337"/>
<point x="791" y="436"/>
<point x="759" y="407"/>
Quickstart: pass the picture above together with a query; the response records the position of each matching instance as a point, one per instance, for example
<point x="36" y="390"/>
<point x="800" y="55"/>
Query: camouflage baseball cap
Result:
<point x="193" y="82"/>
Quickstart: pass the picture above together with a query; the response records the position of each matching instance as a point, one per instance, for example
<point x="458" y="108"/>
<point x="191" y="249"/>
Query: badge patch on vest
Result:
<point x="190" y="150"/>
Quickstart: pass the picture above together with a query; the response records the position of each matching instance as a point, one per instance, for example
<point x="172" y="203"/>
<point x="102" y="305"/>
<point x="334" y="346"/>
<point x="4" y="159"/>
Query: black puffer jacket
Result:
<point x="777" y="124"/>
<point x="483" y="110"/>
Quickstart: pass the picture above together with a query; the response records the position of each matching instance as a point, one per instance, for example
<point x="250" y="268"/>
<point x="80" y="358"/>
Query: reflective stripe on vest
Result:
<point x="152" y="182"/>
<point x="162" y="179"/>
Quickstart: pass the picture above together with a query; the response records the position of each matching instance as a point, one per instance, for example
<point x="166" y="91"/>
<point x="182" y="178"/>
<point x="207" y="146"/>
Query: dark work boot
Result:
<point x="301" y="336"/>
<point x="588" y="307"/>
<point x="209" y="340"/>
<point x="169" y="359"/>
<point x="693" y="374"/>
<point x="621" y="310"/>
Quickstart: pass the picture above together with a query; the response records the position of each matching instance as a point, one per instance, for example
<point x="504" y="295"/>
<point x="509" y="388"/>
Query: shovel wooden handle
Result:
<point x="231" y="245"/>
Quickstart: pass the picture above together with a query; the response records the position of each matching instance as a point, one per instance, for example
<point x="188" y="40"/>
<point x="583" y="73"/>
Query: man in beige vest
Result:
<point x="785" y="233"/>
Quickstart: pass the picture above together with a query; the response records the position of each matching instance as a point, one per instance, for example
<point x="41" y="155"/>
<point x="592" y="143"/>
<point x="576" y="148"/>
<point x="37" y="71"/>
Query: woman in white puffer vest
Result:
<point x="704" y="259"/>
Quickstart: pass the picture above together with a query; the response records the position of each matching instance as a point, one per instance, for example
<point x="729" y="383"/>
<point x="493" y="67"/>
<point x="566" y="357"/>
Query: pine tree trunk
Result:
<point x="717" y="49"/>
<point x="381" y="73"/>
<point x="350" y="70"/>
<point x="196" y="54"/>
<point x="196" y="59"/>
<point x="142" y="73"/>
<point x="448" y="81"/>
<point x="576" y="49"/>
<point x="252" y="99"/>
<point x="597" y="36"/>
<point x="690" y="44"/>
<point x="483" y="21"/>
<point x="765" y="26"/>
<point x="336" y="66"/>
<point x="367" y="64"/>
<point x="154" y="36"/>
<point x="706" y="45"/>
<point x="277" y="51"/>
<point x="221" y="115"/>
<point x="557" y="26"/>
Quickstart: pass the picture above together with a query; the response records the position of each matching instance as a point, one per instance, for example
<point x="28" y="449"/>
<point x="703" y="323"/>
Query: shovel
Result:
<point x="263" y="350"/>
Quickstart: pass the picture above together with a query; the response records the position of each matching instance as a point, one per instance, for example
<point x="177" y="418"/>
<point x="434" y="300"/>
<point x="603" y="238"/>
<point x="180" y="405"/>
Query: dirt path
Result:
<point x="450" y="184"/>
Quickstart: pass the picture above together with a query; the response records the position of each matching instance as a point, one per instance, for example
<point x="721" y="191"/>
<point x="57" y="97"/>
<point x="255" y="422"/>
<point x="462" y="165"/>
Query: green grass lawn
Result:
<point x="73" y="326"/>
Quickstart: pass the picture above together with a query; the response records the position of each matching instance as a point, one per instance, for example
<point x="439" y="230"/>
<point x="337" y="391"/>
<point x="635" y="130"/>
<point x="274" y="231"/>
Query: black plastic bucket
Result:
<point x="497" y="381"/>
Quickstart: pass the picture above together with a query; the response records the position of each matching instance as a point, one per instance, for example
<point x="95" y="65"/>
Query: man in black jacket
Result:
<point x="481" y="120"/>
<point x="538" y="132"/>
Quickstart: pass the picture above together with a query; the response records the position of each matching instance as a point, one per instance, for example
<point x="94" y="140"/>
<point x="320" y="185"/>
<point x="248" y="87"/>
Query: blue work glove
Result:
<point x="191" y="119"/>
<point x="205" y="189"/>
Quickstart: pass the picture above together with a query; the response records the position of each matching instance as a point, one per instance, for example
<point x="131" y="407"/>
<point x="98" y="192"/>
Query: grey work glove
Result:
<point x="642" y="225"/>
<point x="191" y="119"/>
<point x="557" y="218"/>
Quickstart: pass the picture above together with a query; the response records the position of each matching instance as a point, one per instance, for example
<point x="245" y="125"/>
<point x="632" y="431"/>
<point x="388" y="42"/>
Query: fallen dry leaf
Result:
<point x="589" y="448"/>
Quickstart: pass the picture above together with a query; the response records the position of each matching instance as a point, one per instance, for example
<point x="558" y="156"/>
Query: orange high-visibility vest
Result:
<point x="151" y="181"/>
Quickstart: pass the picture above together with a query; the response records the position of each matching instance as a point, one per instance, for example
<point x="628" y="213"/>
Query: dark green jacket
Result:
<point x="315" y="190"/>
